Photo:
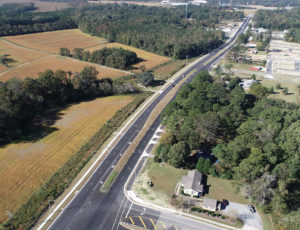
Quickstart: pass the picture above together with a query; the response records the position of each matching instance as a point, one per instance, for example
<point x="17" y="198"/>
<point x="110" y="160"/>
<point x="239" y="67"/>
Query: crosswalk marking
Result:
<point x="142" y="221"/>
<point x="153" y="224"/>
<point x="131" y="220"/>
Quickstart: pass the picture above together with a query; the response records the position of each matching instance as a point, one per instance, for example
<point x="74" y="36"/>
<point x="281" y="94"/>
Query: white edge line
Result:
<point x="177" y="75"/>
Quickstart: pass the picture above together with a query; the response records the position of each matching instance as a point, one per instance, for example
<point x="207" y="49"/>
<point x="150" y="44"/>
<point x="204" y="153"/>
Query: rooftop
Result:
<point x="208" y="202"/>
<point x="193" y="181"/>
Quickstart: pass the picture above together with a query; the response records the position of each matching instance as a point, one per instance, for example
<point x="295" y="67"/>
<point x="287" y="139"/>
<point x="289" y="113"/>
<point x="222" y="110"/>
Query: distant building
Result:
<point x="246" y="84"/>
<point x="192" y="183"/>
<point x="209" y="204"/>
<point x="179" y="3"/>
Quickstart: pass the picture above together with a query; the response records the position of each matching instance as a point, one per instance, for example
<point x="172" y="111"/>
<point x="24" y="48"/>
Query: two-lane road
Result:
<point x="90" y="209"/>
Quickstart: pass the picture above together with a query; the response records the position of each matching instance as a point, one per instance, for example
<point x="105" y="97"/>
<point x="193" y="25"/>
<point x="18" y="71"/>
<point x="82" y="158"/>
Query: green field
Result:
<point x="290" y="97"/>
<point x="164" y="177"/>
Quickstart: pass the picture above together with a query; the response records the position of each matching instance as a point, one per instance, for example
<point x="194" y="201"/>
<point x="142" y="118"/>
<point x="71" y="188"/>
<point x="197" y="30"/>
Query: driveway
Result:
<point x="252" y="220"/>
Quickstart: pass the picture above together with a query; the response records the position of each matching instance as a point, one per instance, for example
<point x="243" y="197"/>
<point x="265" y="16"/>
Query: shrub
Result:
<point x="278" y="86"/>
<point x="223" y="217"/>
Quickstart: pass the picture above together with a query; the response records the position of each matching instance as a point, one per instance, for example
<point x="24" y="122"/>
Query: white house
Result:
<point x="192" y="183"/>
<point x="246" y="84"/>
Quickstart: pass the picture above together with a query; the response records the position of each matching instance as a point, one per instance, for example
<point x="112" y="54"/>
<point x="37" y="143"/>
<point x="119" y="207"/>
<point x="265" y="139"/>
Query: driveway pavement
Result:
<point x="252" y="220"/>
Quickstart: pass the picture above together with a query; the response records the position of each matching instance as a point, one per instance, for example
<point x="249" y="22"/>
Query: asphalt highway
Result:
<point x="91" y="209"/>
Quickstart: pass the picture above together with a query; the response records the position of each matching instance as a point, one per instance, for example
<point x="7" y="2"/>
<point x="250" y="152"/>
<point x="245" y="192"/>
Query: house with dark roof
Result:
<point x="192" y="183"/>
<point x="209" y="204"/>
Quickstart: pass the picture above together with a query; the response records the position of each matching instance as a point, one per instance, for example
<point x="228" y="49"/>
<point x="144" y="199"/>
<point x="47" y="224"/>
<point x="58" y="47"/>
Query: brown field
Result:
<point x="165" y="71"/>
<point x="52" y="41"/>
<point x="150" y="60"/>
<point x="19" y="54"/>
<point x="41" y="6"/>
<point x="57" y="62"/>
<point x="25" y="166"/>
<point x="2" y="68"/>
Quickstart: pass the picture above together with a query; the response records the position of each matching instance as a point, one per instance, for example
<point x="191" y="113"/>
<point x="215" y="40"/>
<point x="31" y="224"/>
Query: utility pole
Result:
<point x="186" y="11"/>
<point x="9" y="214"/>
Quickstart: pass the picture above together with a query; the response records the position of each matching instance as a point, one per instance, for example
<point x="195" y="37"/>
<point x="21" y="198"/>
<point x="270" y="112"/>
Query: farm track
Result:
<point x="51" y="55"/>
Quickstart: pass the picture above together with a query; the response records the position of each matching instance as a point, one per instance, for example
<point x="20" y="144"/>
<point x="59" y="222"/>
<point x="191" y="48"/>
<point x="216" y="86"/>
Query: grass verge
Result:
<point x="237" y="223"/>
<point x="267" y="221"/>
<point x="153" y="116"/>
<point x="28" y="214"/>
<point x="109" y="182"/>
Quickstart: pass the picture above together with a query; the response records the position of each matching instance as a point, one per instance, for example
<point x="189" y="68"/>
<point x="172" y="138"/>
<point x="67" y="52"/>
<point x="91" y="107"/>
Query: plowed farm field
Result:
<point x="149" y="60"/>
<point x="57" y="62"/>
<point x="25" y="166"/>
<point x="17" y="54"/>
<point x="52" y="41"/>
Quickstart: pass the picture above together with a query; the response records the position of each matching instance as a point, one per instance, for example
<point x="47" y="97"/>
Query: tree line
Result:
<point x="21" y="19"/>
<point x="112" y="57"/>
<point x="156" y="29"/>
<point x="281" y="19"/>
<point x="252" y="139"/>
<point x="159" y="30"/>
<point x="21" y="101"/>
<point x="268" y="3"/>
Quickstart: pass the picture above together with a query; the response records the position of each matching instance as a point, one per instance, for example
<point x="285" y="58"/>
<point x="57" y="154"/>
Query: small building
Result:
<point x="192" y="183"/>
<point x="246" y="84"/>
<point x="209" y="204"/>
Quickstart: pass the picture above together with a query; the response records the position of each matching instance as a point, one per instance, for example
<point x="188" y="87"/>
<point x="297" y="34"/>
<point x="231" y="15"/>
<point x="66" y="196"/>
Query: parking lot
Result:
<point x="285" y="57"/>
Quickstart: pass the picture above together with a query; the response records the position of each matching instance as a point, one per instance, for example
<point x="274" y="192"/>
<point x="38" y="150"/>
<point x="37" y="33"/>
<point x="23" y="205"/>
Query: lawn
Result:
<point x="52" y="41"/>
<point x="26" y="165"/>
<point x="290" y="97"/>
<point x="164" y="177"/>
<point x="223" y="189"/>
<point x="57" y="62"/>
<point x="149" y="60"/>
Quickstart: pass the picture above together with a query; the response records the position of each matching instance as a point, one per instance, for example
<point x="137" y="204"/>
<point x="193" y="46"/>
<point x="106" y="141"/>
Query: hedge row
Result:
<point x="29" y="213"/>
<point x="195" y="209"/>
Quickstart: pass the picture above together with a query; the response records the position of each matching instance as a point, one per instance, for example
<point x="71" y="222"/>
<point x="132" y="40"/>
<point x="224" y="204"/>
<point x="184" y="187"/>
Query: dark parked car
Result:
<point x="251" y="208"/>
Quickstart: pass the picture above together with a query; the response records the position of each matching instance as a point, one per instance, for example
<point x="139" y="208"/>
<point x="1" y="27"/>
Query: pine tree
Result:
<point x="200" y="164"/>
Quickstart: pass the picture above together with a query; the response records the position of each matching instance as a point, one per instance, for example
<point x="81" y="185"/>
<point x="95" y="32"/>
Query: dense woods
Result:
<point x="112" y="57"/>
<point x="280" y="20"/>
<point x="19" y="19"/>
<point x="20" y="100"/>
<point x="253" y="139"/>
<point x="156" y="29"/>
<point x="159" y="30"/>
